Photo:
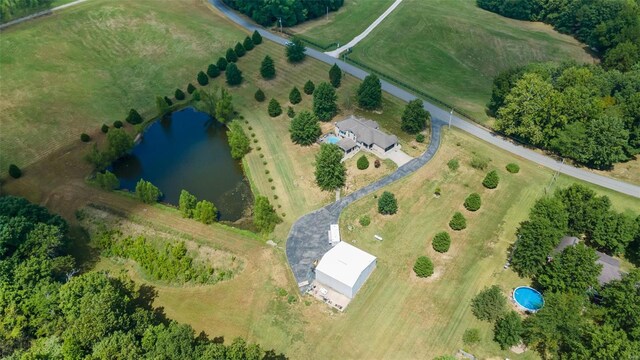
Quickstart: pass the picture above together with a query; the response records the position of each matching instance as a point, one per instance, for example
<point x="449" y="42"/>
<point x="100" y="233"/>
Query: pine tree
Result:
<point x="240" y="50"/>
<point x="304" y="128"/>
<point x="335" y="75"/>
<point x="259" y="95"/>
<point x="202" y="78"/>
<point x="295" y="51"/>
<point x="309" y="87"/>
<point x="274" y="108"/>
<point x="267" y="68"/>
<point x="324" y="102"/>
<point x="231" y="55"/>
<point x="233" y="75"/>
<point x="256" y="37"/>
<point x="415" y="117"/>
<point x="222" y="64"/>
<point x="191" y="88"/>
<point x="330" y="172"/>
<point x="134" y="118"/>
<point x="179" y="94"/>
<point x="370" y="93"/>
<point x="248" y="44"/>
<point x="294" y="96"/>
<point x="213" y="71"/>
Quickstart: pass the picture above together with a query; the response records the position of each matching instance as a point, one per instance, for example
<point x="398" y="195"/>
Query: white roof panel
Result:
<point x="345" y="263"/>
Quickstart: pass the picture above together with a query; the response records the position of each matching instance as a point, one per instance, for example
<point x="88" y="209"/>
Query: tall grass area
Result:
<point x="453" y="49"/>
<point x="68" y="73"/>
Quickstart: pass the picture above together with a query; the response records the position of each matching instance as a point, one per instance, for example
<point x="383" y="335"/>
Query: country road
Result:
<point x="442" y="115"/>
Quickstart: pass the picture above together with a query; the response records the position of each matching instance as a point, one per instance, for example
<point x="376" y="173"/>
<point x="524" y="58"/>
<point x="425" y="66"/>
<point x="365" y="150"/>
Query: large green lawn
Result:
<point x="453" y="49"/>
<point x="68" y="73"/>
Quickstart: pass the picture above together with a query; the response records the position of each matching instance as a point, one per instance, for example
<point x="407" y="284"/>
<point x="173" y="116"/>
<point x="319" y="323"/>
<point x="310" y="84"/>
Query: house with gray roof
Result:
<point x="358" y="132"/>
<point x="610" y="266"/>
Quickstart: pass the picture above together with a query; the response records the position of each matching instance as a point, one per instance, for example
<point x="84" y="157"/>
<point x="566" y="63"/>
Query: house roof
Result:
<point x="610" y="266"/>
<point x="346" y="144"/>
<point x="345" y="263"/>
<point x="566" y="242"/>
<point x="367" y="131"/>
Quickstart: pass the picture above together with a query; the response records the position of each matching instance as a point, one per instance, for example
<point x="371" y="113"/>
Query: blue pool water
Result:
<point x="528" y="298"/>
<point x="332" y="139"/>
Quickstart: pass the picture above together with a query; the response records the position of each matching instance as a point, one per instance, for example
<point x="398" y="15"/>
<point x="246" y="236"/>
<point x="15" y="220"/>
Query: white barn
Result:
<point x="345" y="268"/>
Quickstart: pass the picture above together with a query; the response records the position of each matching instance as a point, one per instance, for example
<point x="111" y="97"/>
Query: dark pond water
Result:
<point x="188" y="150"/>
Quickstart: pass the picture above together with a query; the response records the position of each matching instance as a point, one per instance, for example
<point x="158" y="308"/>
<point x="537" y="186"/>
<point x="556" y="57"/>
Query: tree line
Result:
<point x="49" y="311"/>
<point x="290" y="12"/>
<point x="611" y="27"/>
<point x="581" y="112"/>
<point x="12" y="9"/>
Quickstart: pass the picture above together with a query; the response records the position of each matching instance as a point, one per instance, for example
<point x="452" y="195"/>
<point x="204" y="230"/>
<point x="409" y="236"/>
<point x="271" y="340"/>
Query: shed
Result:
<point x="334" y="234"/>
<point x="345" y="268"/>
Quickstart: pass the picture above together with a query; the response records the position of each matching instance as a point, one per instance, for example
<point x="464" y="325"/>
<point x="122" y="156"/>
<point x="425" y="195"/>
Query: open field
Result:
<point x="343" y="25"/>
<point x="65" y="74"/>
<point x="453" y="49"/>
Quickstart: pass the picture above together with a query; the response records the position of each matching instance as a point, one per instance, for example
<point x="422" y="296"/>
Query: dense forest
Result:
<point x="292" y="12"/>
<point x="50" y="311"/>
<point x="581" y="112"/>
<point x="580" y="319"/>
<point x="11" y="9"/>
<point x="611" y="27"/>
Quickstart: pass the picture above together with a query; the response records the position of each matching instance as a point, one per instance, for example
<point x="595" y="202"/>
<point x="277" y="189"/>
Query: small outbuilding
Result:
<point x="345" y="268"/>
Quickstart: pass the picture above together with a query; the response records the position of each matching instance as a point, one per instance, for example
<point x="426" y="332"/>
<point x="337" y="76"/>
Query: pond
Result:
<point x="188" y="150"/>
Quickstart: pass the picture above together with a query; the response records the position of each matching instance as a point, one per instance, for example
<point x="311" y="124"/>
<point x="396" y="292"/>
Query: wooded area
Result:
<point x="12" y="9"/>
<point x="291" y="12"/>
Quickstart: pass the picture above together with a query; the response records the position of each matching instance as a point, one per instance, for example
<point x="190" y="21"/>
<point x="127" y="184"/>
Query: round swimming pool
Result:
<point x="528" y="299"/>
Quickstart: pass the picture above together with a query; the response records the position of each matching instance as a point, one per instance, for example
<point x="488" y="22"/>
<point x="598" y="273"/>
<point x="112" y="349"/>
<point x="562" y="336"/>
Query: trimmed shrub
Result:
<point x="294" y="96"/>
<point x="490" y="304"/>
<point x="290" y="112"/>
<point x="213" y="71"/>
<point x="473" y="202"/>
<point x="453" y="164"/>
<point x="248" y="44"/>
<point x="117" y="124"/>
<point x="267" y="68"/>
<point x="309" y="87"/>
<point x="362" y="163"/>
<point x="231" y="55"/>
<point x="491" y="180"/>
<point x="222" y="63"/>
<point x="259" y="95"/>
<point x="376" y="163"/>
<point x="240" y="50"/>
<point x="256" y="38"/>
<point x="179" y="94"/>
<point x="191" y="88"/>
<point x="134" y="118"/>
<point x="513" y="168"/>
<point x="420" y="138"/>
<point x="479" y="162"/>
<point x="104" y="128"/>
<point x="471" y="336"/>
<point x="365" y="220"/>
<point x="202" y="78"/>
<point x="458" y="222"/>
<point x="274" y="108"/>
<point x="423" y="267"/>
<point x="14" y="171"/>
<point x="387" y="204"/>
<point x="441" y="242"/>
<point x="85" y="137"/>
<point x="233" y="75"/>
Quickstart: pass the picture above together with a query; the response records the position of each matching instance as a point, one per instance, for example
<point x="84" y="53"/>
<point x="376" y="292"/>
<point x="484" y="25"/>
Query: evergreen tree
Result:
<point x="295" y="50"/>
<point x="441" y="242"/>
<point x="458" y="222"/>
<point x="508" y="330"/>
<point x="248" y="44"/>
<point x="309" y="87"/>
<point x="191" y="88"/>
<point x="324" y="102"/>
<point x="203" y="79"/>
<point x="231" y="55"/>
<point x="213" y="71"/>
<point x="233" y="75"/>
<point x="304" y="128"/>
<point x="104" y="128"/>
<point x="274" y="108"/>
<point x="168" y="101"/>
<point x="335" y="76"/>
<point x="264" y="215"/>
<point x="187" y="204"/>
<point x="330" y="172"/>
<point x="423" y="267"/>
<point x="473" y="202"/>
<point x="224" y="107"/>
<point x="415" y="117"/>
<point x="294" y="96"/>
<point x="387" y="204"/>
<point x="14" y="171"/>
<point x="491" y="180"/>
<point x="162" y="106"/>
<point x="134" y="117"/>
<point x="179" y="94"/>
<point x="259" y="95"/>
<point x="147" y="192"/>
<point x="267" y="68"/>
<point x="205" y="212"/>
<point x="490" y="304"/>
<point x="240" y="50"/>
<point x="363" y="162"/>
<point x="238" y="140"/>
<point x="370" y="93"/>
<point x="290" y="112"/>
<point x="256" y="37"/>
<point x="222" y="64"/>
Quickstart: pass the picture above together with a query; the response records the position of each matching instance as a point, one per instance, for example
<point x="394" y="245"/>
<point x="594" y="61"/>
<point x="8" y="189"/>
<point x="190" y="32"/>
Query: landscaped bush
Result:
<point x="365" y="220"/>
<point x="458" y="222"/>
<point x="420" y="138"/>
<point x="256" y="37"/>
<point x="490" y="304"/>
<point x="295" y="96"/>
<point x="376" y="163"/>
<point x="213" y="71"/>
<point x="104" y="128"/>
<point x="471" y="336"/>
<point x="202" y="78"/>
<point x="14" y="171"/>
<point x="147" y="192"/>
<point x="290" y="112"/>
<point x="479" y="162"/>
<point x="117" y="124"/>
<point x="491" y="180"/>
<point x="473" y="202"/>
<point x="453" y="164"/>
<point x="423" y="267"/>
<point x="274" y="108"/>
<point x="240" y="50"/>
<point x="134" y="118"/>
<point x="85" y="137"/>
<point x="107" y="181"/>
<point x="387" y="204"/>
<point x="267" y="68"/>
<point x="231" y="55"/>
<point x="259" y="95"/>
<point x="309" y="87"/>
<point x="191" y="88"/>
<point x="222" y="64"/>
<point x="362" y="163"/>
<point x="248" y="44"/>
<point x="513" y="168"/>
<point x="233" y="75"/>
<point x="441" y="242"/>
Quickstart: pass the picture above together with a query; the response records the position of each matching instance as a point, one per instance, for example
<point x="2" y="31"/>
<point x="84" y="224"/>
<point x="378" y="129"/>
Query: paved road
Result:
<point x="39" y="14"/>
<point x="336" y="53"/>
<point x="308" y="239"/>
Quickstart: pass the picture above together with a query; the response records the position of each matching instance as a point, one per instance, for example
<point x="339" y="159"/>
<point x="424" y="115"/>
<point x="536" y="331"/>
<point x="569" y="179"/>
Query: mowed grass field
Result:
<point x="343" y="25"/>
<point x="453" y="49"/>
<point x="87" y="65"/>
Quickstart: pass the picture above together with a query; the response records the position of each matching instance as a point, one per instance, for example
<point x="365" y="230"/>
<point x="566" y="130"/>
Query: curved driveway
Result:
<point x="308" y="239"/>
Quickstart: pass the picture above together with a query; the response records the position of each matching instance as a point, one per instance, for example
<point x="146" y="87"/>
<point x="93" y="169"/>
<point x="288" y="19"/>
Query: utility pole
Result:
<point x="280" y="19"/>
<point x="450" y="115"/>
<point x="327" y="13"/>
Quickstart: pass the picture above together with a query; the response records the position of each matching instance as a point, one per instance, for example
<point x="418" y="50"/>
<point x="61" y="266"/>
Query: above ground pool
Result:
<point x="528" y="299"/>
<point x="332" y="139"/>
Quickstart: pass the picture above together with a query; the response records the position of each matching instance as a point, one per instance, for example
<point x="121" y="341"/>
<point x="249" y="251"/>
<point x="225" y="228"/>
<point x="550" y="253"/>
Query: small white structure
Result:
<point x="345" y="268"/>
<point x="334" y="234"/>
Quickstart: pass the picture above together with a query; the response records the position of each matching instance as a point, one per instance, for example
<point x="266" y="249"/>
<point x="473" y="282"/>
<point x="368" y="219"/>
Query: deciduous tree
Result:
<point x="304" y="128"/>
<point x="369" y="93"/>
<point x="325" y="102"/>
<point x="415" y="118"/>
<point x="330" y="172"/>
